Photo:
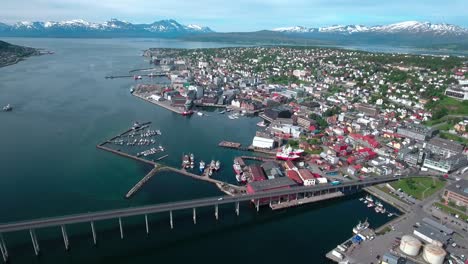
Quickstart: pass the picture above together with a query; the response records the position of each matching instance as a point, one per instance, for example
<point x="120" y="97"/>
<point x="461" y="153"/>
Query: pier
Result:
<point x="164" y="104"/>
<point x="159" y="74"/>
<point x="228" y="144"/>
<point x="137" y="186"/>
<point x="296" y="202"/>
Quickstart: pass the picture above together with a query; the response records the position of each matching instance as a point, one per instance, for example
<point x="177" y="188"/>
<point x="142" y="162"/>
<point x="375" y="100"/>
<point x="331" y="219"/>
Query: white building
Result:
<point x="264" y="143"/>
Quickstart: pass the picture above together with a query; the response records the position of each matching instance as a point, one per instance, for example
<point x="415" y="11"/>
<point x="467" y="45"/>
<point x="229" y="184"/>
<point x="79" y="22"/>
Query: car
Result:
<point x="220" y="199"/>
<point x="454" y="244"/>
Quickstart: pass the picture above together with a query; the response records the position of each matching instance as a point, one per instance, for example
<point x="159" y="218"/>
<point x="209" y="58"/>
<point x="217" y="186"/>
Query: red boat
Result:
<point x="237" y="167"/>
<point x="286" y="154"/>
<point x="187" y="113"/>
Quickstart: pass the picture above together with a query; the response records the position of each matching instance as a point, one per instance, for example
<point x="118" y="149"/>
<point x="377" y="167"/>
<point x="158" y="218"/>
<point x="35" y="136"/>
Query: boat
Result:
<point x="217" y="165"/>
<point x="212" y="164"/>
<point x="187" y="113"/>
<point x="200" y="113"/>
<point x="378" y="203"/>
<point x="369" y="198"/>
<point x="262" y="124"/>
<point x="361" y="199"/>
<point x="202" y="166"/>
<point x="192" y="160"/>
<point x="135" y="77"/>
<point x="7" y="108"/>
<point x="186" y="162"/>
<point x="360" y="227"/>
<point x="285" y="154"/>
<point x="378" y="209"/>
<point x="222" y="112"/>
<point x="237" y="167"/>
<point x="370" y="205"/>
<point x="390" y="215"/>
<point x="297" y="151"/>
<point x="136" y="125"/>
<point x="383" y="210"/>
<point x="132" y="90"/>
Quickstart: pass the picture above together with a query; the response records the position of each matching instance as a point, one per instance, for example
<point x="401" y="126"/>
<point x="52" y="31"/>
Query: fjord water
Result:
<point x="63" y="107"/>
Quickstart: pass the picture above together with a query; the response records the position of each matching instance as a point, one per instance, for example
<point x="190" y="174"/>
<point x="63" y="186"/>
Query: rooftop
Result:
<point x="272" y="184"/>
<point x="447" y="144"/>
<point x="460" y="187"/>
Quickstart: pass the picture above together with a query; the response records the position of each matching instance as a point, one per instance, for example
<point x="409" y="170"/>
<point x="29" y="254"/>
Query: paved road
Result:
<point x="158" y="208"/>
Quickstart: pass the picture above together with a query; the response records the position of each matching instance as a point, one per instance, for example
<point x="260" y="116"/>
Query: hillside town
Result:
<point x="334" y="115"/>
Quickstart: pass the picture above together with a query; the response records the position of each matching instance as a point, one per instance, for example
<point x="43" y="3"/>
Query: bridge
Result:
<point x="275" y="195"/>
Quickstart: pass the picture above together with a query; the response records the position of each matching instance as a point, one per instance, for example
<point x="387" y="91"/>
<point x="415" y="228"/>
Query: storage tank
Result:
<point x="437" y="243"/>
<point x="434" y="254"/>
<point x="410" y="245"/>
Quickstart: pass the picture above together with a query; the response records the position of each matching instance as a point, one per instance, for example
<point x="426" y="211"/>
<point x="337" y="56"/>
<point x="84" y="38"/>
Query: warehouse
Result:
<point x="263" y="143"/>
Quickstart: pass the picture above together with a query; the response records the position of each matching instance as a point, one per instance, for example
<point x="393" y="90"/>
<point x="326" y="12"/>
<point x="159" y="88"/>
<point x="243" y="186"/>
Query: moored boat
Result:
<point x="202" y="166"/>
<point x="285" y="154"/>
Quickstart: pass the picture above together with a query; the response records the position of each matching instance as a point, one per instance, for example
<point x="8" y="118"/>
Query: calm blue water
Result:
<point x="63" y="107"/>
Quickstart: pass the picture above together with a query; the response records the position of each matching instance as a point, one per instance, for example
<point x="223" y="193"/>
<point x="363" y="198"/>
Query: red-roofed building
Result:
<point x="307" y="177"/>
<point x="293" y="175"/>
<point x="257" y="173"/>
<point x="290" y="165"/>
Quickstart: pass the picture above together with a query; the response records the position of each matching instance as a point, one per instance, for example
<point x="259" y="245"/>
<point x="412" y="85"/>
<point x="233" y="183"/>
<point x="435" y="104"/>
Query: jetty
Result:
<point x="228" y="144"/>
<point x="139" y="184"/>
<point x="164" y="104"/>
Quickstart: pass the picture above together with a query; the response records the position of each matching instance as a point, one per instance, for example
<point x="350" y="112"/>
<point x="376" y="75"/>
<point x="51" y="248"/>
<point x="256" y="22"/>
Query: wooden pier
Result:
<point x="228" y="144"/>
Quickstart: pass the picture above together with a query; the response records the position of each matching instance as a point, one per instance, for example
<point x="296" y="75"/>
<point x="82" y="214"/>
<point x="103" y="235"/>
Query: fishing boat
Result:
<point x="237" y="167"/>
<point x="360" y="227"/>
<point x="285" y="154"/>
<point x="369" y="198"/>
<point x="202" y="166"/>
<point x="370" y="205"/>
<point x="217" y="165"/>
<point x="185" y="162"/>
<point x="199" y="113"/>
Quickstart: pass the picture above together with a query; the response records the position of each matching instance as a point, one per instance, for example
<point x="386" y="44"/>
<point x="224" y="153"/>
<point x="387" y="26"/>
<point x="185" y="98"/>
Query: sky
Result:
<point x="240" y="15"/>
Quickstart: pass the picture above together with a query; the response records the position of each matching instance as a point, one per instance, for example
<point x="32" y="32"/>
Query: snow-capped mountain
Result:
<point x="410" y="27"/>
<point x="78" y="27"/>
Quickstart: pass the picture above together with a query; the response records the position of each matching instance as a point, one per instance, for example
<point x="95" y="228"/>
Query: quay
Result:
<point x="132" y="76"/>
<point x="238" y="146"/>
<point x="255" y="158"/>
<point x="305" y="200"/>
<point x="164" y="104"/>
<point x="123" y="154"/>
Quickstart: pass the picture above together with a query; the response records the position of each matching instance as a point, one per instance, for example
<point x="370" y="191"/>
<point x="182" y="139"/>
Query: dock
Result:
<point x="255" y="158"/>
<point x="123" y="154"/>
<point x="228" y="144"/>
<point x="139" y="184"/>
<point x="297" y="202"/>
<point x="163" y="104"/>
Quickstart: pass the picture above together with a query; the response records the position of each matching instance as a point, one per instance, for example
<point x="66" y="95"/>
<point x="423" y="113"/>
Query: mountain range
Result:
<point x="404" y="33"/>
<point x="111" y="28"/>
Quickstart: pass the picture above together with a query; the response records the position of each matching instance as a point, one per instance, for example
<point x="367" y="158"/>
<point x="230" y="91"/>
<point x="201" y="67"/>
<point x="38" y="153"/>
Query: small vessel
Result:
<point x="137" y="77"/>
<point x="212" y="165"/>
<point x="200" y="113"/>
<point x="132" y="90"/>
<point x="390" y="215"/>
<point x="241" y="178"/>
<point x="378" y="209"/>
<point x="383" y="210"/>
<point x="360" y="227"/>
<point x="369" y="198"/>
<point x="361" y="199"/>
<point x="378" y="203"/>
<point x="285" y="154"/>
<point x="136" y="125"/>
<point x="185" y="162"/>
<point x="7" y="108"/>
<point x="192" y="161"/>
<point x="202" y="166"/>
<point x="261" y="124"/>
<point x="370" y="205"/>
<point x="237" y="167"/>
<point x="222" y="112"/>
<point x="217" y="165"/>
<point x="187" y="113"/>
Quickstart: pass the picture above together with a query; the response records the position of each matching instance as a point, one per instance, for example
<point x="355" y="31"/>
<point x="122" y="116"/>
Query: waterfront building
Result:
<point x="272" y="169"/>
<point x="257" y="172"/>
<point x="307" y="177"/>
<point x="457" y="193"/>
<point x="263" y="142"/>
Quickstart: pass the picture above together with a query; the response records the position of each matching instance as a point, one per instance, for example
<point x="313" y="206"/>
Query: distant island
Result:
<point x="11" y="54"/>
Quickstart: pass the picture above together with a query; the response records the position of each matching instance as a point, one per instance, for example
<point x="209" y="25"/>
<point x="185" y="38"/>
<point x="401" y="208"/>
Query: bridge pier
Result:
<point x="194" y="216"/>
<point x="34" y="241"/>
<point x="94" y="232"/>
<point x="121" y="228"/>
<point x="216" y="212"/>
<point x="65" y="237"/>
<point x="237" y="208"/>
<point x="170" y="220"/>
<point x="3" y="248"/>
<point x="146" y="222"/>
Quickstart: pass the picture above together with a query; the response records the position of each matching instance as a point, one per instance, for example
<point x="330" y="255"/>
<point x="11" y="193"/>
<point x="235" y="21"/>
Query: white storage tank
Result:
<point x="434" y="254"/>
<point x="410" y="245"/>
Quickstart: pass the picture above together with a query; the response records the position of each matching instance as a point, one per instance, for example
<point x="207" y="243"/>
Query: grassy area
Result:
<point x="454" y="106"/>
<point x="450" y="210"/>
<point x="453" y="137"/>
<point x="420" y="187"/>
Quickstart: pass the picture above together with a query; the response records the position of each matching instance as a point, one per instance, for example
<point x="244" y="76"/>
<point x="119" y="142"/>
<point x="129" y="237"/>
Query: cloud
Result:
<point x="240" y="15"/>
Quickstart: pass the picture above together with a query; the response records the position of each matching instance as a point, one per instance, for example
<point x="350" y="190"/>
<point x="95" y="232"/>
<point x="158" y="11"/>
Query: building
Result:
<point x="444" y="164"/>
<point x="418" y="132"/>
<point x="307" y="177"/>
<point x="430" y="234"/>
<point x="257" y="173"/>
<point x="294" y="175"/>
<point x="305" y="122"/>
<point x="263" y="143"/>
<point x="272" y="169"/>
<point x="444" y="147"/>
<point x="270" y="185"/>
<point x="277" y="112"/>
<point x="458" y="92"/>
<point x="367" y="109"/>
<point x="457" y="193"/>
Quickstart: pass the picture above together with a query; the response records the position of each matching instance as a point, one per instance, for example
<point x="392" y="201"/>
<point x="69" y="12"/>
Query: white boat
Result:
<point x="217" y="165"/>
<point x="202" y="166"/>
<point x="222" y="112"/>
<point x="360" y="227"/>
<point x="390" y="215"/>
<point x="361" y="199"/>
<point x="370" y="205"/>
<point x="200" y="113"/>
<point x="262" y="124"/>
<point x="286" y="154"/>
<point x="369" y="198"/>
<point x="192" y="161"/>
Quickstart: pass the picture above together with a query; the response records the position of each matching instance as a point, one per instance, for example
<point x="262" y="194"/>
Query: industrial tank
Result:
<point x="434" y="254"/>
<point x="410" y="245"/>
